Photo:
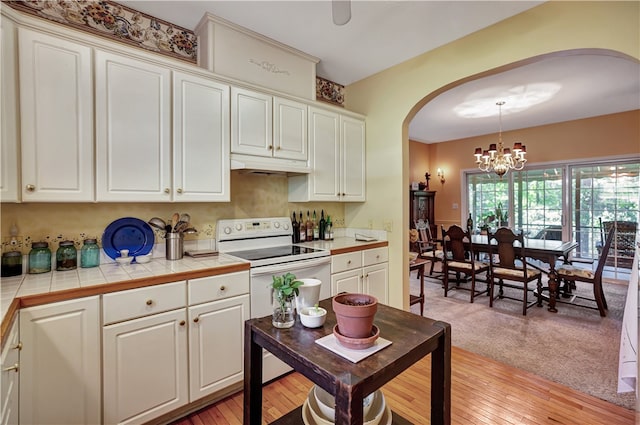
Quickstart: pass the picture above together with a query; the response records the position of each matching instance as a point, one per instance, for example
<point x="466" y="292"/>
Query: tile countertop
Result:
<point x="35" y="289"/>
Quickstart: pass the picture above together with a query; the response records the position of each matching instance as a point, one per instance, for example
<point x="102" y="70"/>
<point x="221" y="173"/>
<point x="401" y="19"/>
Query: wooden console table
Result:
<point x="412" y="336"/>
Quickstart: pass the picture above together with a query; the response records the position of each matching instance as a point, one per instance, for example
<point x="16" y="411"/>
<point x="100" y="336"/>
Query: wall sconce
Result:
<point x="441" y="175"/>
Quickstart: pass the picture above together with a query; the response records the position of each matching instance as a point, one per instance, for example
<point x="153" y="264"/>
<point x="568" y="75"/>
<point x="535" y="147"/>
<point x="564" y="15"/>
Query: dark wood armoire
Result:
<point x="422" y="206"/>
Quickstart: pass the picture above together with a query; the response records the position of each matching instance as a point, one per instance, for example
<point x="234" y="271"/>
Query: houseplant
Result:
<point x="285" y="288"/>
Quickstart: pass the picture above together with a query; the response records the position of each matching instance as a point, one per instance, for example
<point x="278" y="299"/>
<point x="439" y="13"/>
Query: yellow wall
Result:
<point x="251" y="195"/>
<point x="604" y="136"/>
<point x="391" y="98"/>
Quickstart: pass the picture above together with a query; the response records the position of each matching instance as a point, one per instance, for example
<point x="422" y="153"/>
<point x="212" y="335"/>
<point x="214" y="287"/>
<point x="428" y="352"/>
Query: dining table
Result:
<point x="349" y="380"/>
<point x="545" y="250"/>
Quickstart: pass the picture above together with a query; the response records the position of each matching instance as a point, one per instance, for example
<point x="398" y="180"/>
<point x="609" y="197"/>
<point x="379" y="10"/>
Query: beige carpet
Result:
<point x="575" y="347"/>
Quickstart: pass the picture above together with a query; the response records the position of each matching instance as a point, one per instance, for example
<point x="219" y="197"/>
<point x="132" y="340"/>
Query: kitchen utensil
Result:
<point x="190" y="230"/>
<point x="128" y="233"/>
<point x="174" y="220"/>
<point x="180" y="226"/>
<point x="185" y="217"/>
<point x="158" y="223"/>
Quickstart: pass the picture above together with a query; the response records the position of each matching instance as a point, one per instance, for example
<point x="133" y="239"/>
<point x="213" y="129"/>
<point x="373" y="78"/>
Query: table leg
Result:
<point x="553" y="290"/>
<point x="441" y="378"/>
<point x="252" y="379"/>
<point x="348" y="405"/>
<point x="421" y="271"/>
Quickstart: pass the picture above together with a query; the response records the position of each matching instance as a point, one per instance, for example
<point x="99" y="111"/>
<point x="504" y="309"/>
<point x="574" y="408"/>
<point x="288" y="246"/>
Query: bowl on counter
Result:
<point x="323" y="404"/>
<point x="124" y="261"/>
<point x="142" y="259"/>
<point x="313" y="317"/>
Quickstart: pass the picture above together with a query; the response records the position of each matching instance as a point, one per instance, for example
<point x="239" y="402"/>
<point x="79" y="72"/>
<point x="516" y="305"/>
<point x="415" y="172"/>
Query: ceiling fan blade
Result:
<point x="341" y="11"/>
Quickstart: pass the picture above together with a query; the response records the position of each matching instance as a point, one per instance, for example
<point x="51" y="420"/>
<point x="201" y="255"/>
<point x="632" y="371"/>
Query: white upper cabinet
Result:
<point x="133" y="129"/>
<point x="251" y="123"/>
<point x="56" y="107"/>
<point x="9" y="184"/>
<point x="352" y="159"/>
<point x="200" y="139"/>
<point x="289" y="129"/>
<point x="336" y="155"/>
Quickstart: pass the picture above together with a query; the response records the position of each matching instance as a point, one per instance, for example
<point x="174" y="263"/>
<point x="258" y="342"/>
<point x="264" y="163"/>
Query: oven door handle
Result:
<point x="293" y="265"/>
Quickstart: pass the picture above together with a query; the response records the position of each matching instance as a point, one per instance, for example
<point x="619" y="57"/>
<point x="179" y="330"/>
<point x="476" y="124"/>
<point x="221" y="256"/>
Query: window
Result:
<point x="562" y="202"/>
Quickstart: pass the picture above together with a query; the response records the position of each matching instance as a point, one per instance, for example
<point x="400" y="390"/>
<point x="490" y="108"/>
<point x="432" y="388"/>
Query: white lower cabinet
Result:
<point x="362" y="272"/>
<point x="145" y="367"/>
<point x="10" y="377"/>
<point x="218" y="308"/>
<point x="60" y="363"/>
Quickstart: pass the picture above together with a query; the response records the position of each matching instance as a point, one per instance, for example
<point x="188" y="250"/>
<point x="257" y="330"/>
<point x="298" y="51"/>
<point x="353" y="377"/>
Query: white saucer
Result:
<point x="387" y="416"/>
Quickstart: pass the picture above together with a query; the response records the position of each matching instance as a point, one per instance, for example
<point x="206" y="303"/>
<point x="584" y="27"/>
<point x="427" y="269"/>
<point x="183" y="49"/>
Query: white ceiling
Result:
<point x="381" y="34"/>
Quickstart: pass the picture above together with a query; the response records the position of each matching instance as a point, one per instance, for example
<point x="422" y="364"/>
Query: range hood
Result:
<point x="258" y="165"/>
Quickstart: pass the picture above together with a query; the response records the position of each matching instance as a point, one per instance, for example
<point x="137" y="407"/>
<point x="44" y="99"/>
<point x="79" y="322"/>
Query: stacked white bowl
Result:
<point x="322" y="407"/>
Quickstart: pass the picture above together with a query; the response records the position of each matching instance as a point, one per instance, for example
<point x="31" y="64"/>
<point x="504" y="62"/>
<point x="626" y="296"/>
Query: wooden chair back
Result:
<point x="457" y="244"/>
<point x="506" y="249"/>
<point x="604" y="254"/>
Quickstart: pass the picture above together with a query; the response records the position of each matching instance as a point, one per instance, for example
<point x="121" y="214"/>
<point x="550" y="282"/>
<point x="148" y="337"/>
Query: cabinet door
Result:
<point x="200" y="139"/>
<point x="56" y="114"/>
<point x="216" y="345"/>
<point x="9" y="122"/>
<point x="350" y="281"/>
<point x="324" y="146"/>
<point x="9" y="378"/>
<point x="352" y="165"/>
<point x="133" y="129"/>
<point x="290" y="129"/>
<point x="376" y="281"/>
<point x="145" y="367"/>
<point x="251" y="123"/>
<point x="60" y="363"/>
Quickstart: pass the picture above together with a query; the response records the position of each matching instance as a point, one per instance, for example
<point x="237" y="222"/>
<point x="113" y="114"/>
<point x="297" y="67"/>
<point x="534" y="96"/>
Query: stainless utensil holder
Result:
<point x="174" y="246"/>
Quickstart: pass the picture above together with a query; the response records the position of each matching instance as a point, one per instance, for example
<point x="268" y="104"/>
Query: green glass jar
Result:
<point x="90" y="254"/>
<point x="11" y="264"/>
<point x="66" y="256"/>
<point x="39" y="258"/>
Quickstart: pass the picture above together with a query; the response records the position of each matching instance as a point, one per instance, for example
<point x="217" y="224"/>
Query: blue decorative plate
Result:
<point x="128" y="233"/>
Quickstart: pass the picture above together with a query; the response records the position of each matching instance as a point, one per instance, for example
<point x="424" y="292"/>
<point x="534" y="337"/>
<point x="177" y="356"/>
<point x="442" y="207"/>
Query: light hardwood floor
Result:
<point x="483" y="392"/>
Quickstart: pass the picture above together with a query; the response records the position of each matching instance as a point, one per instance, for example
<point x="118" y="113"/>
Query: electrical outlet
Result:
<point x="370" y="224"/>
<point x="387" y="225"/>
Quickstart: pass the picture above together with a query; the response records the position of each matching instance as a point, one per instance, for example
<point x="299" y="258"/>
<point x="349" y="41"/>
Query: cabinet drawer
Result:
<point x="140" y="302"/>
<point x="375" y="256"/>
<point x="348" y="261"/>
<point x="213" y="288"/>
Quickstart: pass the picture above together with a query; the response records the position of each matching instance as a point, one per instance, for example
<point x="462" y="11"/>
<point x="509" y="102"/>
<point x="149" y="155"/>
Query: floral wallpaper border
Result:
<point x="115" y="21"/>
<point x="329" y="91"/>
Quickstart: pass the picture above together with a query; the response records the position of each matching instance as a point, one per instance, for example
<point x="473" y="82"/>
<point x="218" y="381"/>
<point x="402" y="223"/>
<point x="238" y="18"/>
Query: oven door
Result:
<point x="262" y="298"/>
<point x="262" y="277"/>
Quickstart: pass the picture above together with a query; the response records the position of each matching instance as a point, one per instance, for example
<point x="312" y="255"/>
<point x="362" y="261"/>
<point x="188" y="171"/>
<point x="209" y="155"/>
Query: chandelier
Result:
<point x="500" y="159"/>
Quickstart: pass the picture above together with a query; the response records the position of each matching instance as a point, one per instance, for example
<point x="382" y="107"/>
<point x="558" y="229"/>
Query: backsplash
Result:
<point x="251" y="196"/>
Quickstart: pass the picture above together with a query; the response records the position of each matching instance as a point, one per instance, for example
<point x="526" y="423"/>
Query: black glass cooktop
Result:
<point x="272" y="252"/>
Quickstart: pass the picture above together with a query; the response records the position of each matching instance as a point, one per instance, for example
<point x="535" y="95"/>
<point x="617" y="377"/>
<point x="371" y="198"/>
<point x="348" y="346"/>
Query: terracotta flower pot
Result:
<point x="355" y="313"/>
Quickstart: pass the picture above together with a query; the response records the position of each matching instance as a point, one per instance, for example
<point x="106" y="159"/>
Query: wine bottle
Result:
<point x="309" y="228"/>
<point x="302" y="230"/>
<point x="316" y="229"/>
<point x="469" y="223"/>
<point x="295" y="237"/>
<point x="322" y="226"/>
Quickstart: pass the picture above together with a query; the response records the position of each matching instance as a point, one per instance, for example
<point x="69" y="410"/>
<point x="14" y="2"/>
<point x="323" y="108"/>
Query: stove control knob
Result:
<point x="227" y="230"/>
<point x="238" y="227"/>
<point x="276" y="225"/>
<point x="286" y="226"/>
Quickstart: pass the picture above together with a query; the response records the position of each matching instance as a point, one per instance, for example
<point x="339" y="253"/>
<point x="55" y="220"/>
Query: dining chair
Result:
<point x="460" y="258"/>
<point x="570" y="274"/>
<point x="508" y="263"/>
<point x="427" y="245"/>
